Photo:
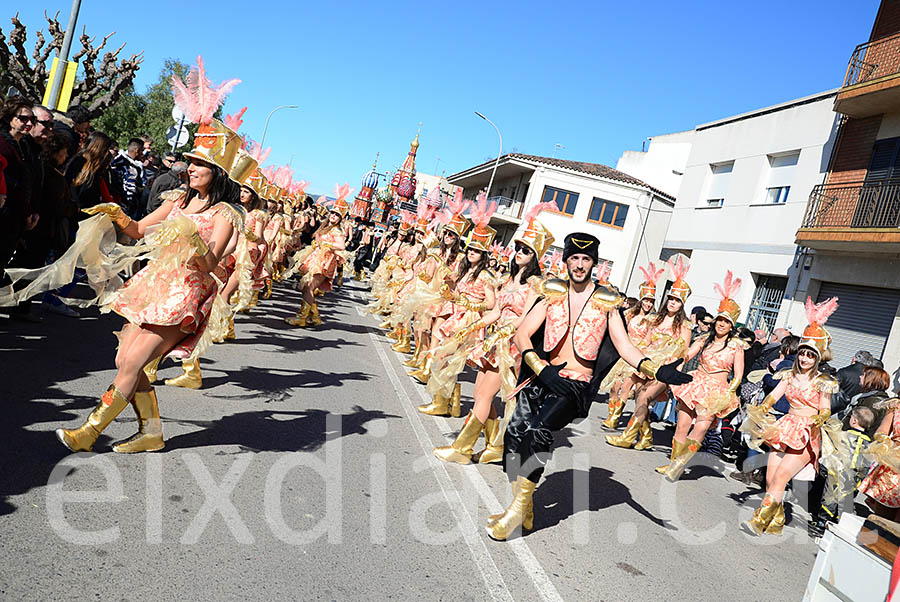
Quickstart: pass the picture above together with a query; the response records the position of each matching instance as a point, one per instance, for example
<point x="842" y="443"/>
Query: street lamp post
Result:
<point x="263" y="141"/>
<point x="497" y="162"/>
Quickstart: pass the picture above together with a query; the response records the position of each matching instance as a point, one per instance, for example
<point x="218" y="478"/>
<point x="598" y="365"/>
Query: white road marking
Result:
<point x="480" y="553"/>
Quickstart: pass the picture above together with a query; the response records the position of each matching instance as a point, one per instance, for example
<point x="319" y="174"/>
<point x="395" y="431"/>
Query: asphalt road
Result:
<point x="302" y="471"/>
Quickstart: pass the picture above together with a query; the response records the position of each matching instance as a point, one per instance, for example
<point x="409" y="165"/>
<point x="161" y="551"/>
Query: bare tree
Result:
<point x="98" y="86"/>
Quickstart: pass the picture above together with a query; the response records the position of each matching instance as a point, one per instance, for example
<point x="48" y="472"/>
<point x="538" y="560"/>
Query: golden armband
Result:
<point x="533" y="361"/>
<point x="200" y="247"/>
<point x="821" y="418"/>
<point x="734" y="384"/>
<point x="648" y="368"/>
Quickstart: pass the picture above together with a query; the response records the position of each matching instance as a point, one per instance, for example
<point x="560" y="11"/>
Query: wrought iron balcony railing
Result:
<point x="507" y="206"/>
<point x="873" y="60"/>
<point x="854" y="205"/>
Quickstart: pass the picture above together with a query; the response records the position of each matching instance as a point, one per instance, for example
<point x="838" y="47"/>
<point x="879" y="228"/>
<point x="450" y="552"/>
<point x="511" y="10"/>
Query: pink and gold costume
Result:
<point x="883" y="482"/>
<point x="324" y="259"/>
<point x="511" y="299"/>
<point x="706" y="394"/>
<point x="458" y="316"/>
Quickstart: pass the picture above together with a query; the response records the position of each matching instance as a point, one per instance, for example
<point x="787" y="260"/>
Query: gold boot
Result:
<point x="491" y="453"/>
<point x="514" y="517"/>
<point x="314" y="319"/>
<point x="268" y="292"/>
<point x="616" y="408"/>
<point x="646" y="440"/>
<point x="229" y="336"/>
<point x="301" y="318"/>
<point x="83" y="438"/>
<point x="192" y="378"/>
<point x="677" y="448"/>
<point x="776" y="525"/>
<point x="151" y="368"/>
<point x="394" y="334"/>
<point x="455" y="410"/>
<point x="386" y="325"/>
<point x="413" y="362"/>
<point x="528" y="523"/>
<point x="676" y="467"/>
<point x="424" y="373"/>
<point x="627" y="438"/>
<point x="439" y="406"/>
<point x="402" y="345"/>
<point x="460" y="451"/>
<point x="762" y="517"/>
<point x="149" y="436"/>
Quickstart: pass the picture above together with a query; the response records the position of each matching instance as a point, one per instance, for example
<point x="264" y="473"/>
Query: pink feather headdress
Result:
<point x="678" y="267"/>
<point x="729" y="288"/>
<point x="651" y="274"/>
<point x="480" y="213"/>
<point x="257" y="152"/>
<point x="299" y="187"/>
<point x="496" y="249"/>
<point x="234" y="122"/>
<point x="457" y="205"/>
<point x="283" y="177"/>
<point x="197" y="96"/>
<point x="269" y="172"/>
<point x="342" y="191"/>
<point x="536" y="209"/>
<point x="818" y="313"/>
<point x="603" y="272"/>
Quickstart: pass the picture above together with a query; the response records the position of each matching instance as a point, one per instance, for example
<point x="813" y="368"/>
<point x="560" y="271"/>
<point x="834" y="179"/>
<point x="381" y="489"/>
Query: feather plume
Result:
<point x="283" y="177"/>
<point x="651" y="274"/>
<point x="299" y="187"/>
<point x="257" y="152"/>
<point x="556" y="258"/>
<point x="496" y="248"/>
<point x="458" y="204"/>
<point x="603" y="271"/>
<point x="269" y="172"/>
<point x="342" y="191"/>
<point x="536" y="209"/>
<point x="197" y="96"/>
<point x="234" y="122"/>
<point x="729" y="287"/>
<point x="679" y="269"/>
<point x="323" y="200"/>
<point x="425" y="211"/>
<point x="441" y="218"/>
<point x="818" y="313"/>
<point x="407" y="216"/>
<point x="480" y="213"/>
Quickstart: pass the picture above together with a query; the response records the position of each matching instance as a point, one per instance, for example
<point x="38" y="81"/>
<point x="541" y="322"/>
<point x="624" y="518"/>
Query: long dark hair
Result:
<point x="221" y="189"/>
<point x="96" y="156"/>
<point x="476" y="268"/>
<point x="678" y="319"/>
<point x="712" y="337"/>
<point x="532" y="268"/>
<point x="255" y="201"/>
<point x="454" y="248"/>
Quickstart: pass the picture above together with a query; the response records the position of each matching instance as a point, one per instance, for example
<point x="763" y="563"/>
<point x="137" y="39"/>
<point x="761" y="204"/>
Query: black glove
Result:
<point x="670" y="375"/>
<point x="555" y="383"/>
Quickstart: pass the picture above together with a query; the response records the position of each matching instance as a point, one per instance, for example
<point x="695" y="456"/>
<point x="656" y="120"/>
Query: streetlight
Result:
<point x="497" y="162"/>
<point x="262" y="142"/>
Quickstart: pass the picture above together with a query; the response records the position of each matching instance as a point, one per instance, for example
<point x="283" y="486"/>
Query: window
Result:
<point x="608" y="213"/>
<point x="564" y="199"/>
<point x="766" y="302"/>
<point x="781" y="176"/>
<point x="884" y="164"/>
<point x="718" y="184"/>
<point x="777" y="196"/>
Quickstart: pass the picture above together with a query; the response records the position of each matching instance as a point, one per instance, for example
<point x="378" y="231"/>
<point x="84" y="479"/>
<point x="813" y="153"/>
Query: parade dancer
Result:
<point x="320" y="265"/>
<point x="882" y="485"/>
<point x="618" y="382"/>
<point x="169" y="300"/>
<point x="410" y="265"/>
<point x="469" y="293"/>
<point x="496" y="357"/>
<point x="569" y="341"/>
<point x="796" y="438"/>
<point x="710" y="395"/>
<point x="667" y="339"/>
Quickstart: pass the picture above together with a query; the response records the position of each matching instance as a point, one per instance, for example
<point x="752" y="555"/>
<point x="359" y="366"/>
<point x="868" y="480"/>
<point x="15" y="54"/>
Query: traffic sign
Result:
<point x="176" y="136"/>
<point x="177" y="114"/>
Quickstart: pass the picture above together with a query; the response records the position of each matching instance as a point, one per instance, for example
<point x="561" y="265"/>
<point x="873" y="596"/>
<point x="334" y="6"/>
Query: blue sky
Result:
<point x="597" y="77"/>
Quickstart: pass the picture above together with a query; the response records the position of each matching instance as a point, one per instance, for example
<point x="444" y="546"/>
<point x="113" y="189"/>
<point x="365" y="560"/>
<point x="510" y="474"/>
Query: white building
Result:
<point x="662" y="164"/>
<point x="629" y="216"/>
<point x="743" y="196"/>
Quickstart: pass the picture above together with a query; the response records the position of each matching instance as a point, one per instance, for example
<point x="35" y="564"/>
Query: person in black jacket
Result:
<point x="848" y="378"/>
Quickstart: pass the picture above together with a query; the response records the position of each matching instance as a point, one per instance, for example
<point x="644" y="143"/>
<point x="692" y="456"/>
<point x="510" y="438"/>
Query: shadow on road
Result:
<point x="259" y="431"/>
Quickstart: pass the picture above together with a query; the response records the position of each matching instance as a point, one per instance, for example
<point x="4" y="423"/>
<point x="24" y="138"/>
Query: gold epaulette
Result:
<point x="608" y="297"/>
<point x="826" y="384"/>
<point x="172" y="195"/>
<point x="554" y="289"/>
<point x="782" y="374"/>
<point x="488" y="277"/>
<point x="736" y="343"/>
<point x="229" y="212"/>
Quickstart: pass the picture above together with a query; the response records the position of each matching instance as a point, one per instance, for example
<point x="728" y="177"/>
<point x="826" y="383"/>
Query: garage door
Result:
<point x="863" y="320"/>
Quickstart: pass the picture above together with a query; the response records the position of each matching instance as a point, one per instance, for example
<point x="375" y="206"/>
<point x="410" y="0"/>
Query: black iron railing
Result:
<point x="854" y="205"/>
<point x="874" y="59"/>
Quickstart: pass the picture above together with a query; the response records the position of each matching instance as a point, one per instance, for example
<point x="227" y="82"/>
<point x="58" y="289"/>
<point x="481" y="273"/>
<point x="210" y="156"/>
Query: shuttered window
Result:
<point x="884" y="164"/>
<point x="862" y="321"/>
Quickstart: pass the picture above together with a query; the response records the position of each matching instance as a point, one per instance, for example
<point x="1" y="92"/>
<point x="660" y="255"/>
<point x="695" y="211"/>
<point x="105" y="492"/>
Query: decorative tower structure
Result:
<point x="362" y="204"/>
<point x="406" y="187"/>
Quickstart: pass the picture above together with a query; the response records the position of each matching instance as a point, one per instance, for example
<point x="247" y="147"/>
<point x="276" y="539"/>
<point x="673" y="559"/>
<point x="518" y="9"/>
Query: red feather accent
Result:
<point x="729" y="287"/>
<point x="234" y="122"/>
<point x="480" y="213"/>
<point x="651" y="274"/>
<point x="536" y="209"/>
<point x="258" y="153"/>
<point x="343" y="191"/>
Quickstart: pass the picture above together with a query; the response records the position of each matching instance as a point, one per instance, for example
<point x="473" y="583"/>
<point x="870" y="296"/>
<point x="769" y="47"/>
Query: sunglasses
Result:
<point x="807" y="353"/>
<point x="47" y="123"/>
<point x="525" y="250"/>
<point x="27" y="118"/>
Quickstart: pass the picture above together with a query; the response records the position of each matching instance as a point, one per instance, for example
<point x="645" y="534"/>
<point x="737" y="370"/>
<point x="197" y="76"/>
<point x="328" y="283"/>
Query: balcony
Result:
<point x="853" y="217"/>
<point x="509" y="211"/>
<point x="872" y="84"/>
